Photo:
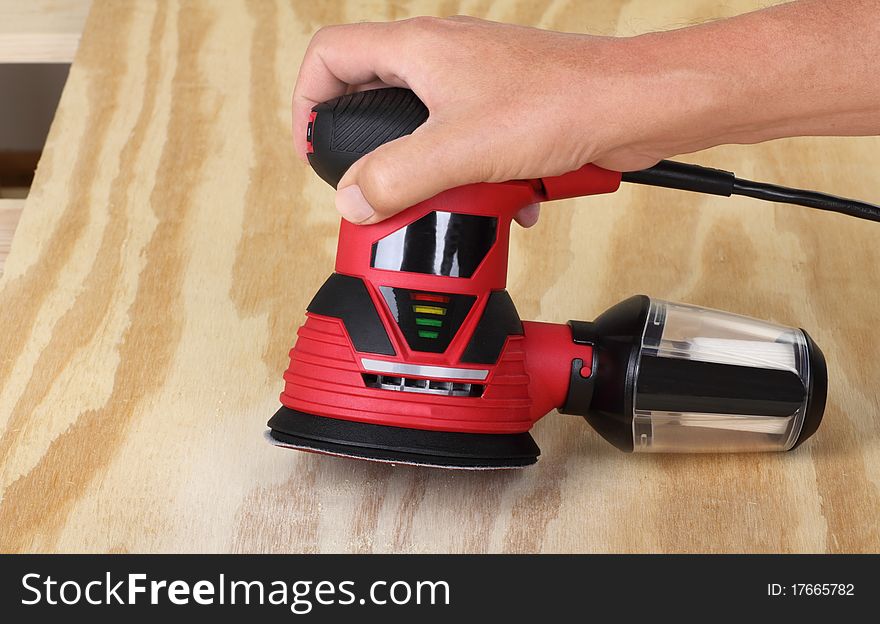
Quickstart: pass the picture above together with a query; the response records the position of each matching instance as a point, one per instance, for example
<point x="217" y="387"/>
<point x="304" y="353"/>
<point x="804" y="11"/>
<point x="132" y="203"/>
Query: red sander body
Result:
<point x="413" y="351"/>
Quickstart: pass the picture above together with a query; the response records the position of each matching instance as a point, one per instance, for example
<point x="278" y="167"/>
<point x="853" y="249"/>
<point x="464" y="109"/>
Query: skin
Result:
<point x="510" y="102"/>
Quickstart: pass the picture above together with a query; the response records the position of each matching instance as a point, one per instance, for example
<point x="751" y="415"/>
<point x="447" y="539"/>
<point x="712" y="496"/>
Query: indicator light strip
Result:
<point x="420" y="309"/>
<point x="424" y="333"/>
<point x="429" y="322"/>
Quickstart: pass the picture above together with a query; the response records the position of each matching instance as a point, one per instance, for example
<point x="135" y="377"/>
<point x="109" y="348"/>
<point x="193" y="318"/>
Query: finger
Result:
<point x="375" y="84"/>
<point x="339" y="56"/>
<point x="528" y="216"/>
<point x="408" y="170"/>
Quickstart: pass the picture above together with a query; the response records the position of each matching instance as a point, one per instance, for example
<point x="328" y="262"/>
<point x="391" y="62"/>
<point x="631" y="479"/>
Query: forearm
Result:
<point x="804" y="68"/>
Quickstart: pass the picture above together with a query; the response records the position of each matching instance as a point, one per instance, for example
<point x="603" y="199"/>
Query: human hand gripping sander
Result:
<point x="413" y="352"/>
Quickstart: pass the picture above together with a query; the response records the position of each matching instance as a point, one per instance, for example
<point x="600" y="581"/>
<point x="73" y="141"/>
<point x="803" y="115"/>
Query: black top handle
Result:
<point x="345" y="128"/>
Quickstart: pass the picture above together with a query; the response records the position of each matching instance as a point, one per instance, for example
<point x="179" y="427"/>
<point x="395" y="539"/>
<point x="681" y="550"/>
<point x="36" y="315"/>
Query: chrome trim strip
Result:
<point x="443" y="372"/>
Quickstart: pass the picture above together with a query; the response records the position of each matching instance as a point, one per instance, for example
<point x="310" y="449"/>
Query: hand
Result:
<point x="505" y="102"/>
<point x="511" y="102"/>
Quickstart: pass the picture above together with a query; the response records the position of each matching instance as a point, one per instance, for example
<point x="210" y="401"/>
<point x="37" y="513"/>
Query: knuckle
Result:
<point x="322" y="37"/>
<point x="318" y="38"/>
<point x="425" y="22"/>
<point x="424" y="28"/>
<point x="424" y="37"/>
<point x="322" y="33"/>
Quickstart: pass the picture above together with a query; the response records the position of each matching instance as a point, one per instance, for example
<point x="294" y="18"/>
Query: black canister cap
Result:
<point x="817" y="392"/>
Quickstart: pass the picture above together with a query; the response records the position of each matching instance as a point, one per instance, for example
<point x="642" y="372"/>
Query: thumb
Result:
<point x="406" y="171"/>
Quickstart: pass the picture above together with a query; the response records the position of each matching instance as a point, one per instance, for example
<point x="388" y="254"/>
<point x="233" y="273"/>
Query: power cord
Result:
<point x="687" y="177"/>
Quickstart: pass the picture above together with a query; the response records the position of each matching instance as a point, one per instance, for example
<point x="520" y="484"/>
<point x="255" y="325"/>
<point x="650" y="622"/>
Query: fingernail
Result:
<point x="352" y="204"/>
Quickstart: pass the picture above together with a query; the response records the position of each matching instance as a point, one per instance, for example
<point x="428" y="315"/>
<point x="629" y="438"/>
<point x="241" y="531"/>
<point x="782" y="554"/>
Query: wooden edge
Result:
<point x="41" y="31"/>
<point x="10" y="213"/>
<point x="38" y="47"/>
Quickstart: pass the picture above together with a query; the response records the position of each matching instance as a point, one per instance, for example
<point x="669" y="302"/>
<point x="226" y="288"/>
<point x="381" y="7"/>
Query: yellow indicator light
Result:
<point x="420" y="309"/>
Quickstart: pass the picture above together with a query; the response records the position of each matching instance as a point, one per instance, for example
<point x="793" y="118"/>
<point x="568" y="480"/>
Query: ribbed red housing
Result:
<point x="325" y="379"/>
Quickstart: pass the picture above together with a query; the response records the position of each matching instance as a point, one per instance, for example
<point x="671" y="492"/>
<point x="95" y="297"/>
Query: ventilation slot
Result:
<point x="424" y="386"/>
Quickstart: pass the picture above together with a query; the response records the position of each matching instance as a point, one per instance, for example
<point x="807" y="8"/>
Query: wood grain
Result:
<point x="41" y="31"/>
<point x="172" y="241"/>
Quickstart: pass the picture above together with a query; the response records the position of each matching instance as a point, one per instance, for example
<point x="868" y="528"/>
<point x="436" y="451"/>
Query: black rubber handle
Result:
<point x="346" y="128"/>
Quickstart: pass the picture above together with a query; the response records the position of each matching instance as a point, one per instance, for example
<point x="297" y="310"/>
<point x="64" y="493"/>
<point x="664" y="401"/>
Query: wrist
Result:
<point x="672" y="101"/>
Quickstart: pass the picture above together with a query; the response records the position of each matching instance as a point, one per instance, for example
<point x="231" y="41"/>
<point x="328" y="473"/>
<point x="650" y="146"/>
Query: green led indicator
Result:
<point x="429" y="322"/>
<point x="424" y="333"/>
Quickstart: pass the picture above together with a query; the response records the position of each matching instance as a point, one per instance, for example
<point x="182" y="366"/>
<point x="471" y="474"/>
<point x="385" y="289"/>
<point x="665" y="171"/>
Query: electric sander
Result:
<point x="413" y="352"/>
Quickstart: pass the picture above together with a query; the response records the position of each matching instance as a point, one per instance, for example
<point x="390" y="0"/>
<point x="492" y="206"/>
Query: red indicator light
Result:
<point x="429" y="297"/>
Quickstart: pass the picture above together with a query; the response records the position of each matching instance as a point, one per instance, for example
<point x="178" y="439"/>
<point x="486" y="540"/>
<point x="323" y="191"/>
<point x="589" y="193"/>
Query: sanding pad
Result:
<point x="441" y="449"/>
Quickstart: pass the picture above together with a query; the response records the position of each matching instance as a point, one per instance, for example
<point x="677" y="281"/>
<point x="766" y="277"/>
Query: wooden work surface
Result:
<point x="171" y="243"/>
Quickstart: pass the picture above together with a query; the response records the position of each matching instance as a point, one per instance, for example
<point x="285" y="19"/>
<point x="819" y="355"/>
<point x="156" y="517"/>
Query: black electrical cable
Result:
<point x="811" y="199"/>
<point x="687" y="177"/>
<point x="684" y="177"/>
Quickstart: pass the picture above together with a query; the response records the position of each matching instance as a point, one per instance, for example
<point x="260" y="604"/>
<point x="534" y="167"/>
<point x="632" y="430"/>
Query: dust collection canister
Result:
<point x="680" y="378"/>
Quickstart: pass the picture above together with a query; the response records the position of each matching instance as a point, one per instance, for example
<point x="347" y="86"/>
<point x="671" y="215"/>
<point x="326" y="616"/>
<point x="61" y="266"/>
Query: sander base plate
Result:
<point x="396" y="445"/>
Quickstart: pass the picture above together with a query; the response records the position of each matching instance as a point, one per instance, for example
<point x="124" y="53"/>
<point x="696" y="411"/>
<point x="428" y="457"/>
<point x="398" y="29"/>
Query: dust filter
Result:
<point x="681" y="378"/>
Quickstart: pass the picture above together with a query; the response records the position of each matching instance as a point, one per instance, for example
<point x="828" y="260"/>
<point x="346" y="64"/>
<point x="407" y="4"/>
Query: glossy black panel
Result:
<point x="428" y="320"/>
<point x="440" y="243"/>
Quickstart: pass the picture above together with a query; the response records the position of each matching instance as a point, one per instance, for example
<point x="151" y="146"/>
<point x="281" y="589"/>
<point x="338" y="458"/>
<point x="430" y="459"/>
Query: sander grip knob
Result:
<point x="343" y="129"/>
